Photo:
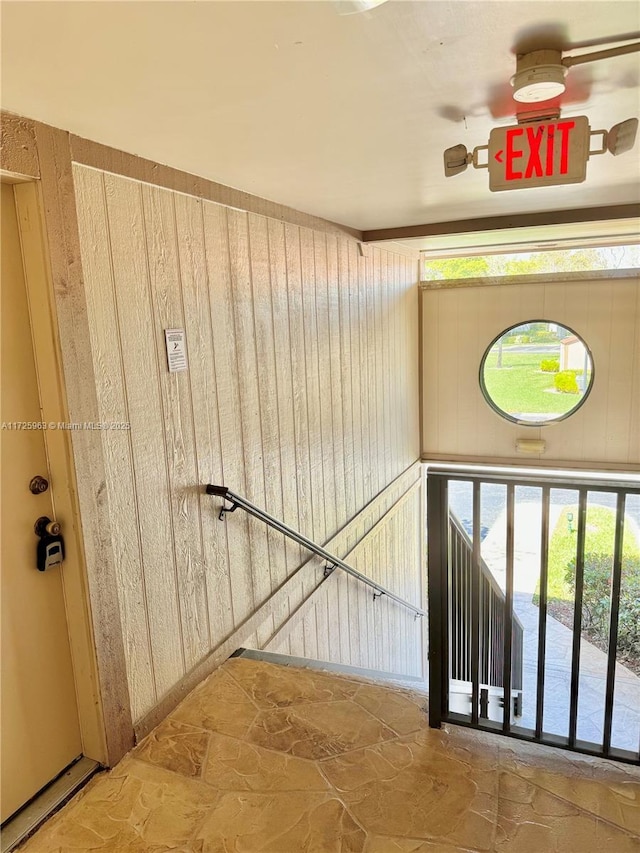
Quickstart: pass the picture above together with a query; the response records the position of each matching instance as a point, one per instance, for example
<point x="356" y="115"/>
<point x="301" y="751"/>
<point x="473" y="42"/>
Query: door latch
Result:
<point x="38" y="485"/>
<point x="50" y="550"/>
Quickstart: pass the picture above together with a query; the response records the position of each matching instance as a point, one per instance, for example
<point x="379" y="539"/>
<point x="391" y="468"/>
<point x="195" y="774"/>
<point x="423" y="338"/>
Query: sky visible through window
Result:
<point x="532" y="263"/>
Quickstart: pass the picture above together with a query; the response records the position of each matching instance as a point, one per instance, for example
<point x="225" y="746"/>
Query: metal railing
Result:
<point x="446" y="594"/>
<point x="464" y="564"/>
<point x="333" y="562"/>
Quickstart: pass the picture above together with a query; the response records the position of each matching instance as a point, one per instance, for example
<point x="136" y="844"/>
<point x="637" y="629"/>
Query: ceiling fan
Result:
<point x="540" y="74"/>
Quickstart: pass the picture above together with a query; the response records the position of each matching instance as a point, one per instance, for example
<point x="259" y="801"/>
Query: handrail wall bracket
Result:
<point x="224" y="509"/>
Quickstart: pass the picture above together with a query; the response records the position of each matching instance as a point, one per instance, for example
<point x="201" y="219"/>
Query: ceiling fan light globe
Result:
<point x="541" y="83"/>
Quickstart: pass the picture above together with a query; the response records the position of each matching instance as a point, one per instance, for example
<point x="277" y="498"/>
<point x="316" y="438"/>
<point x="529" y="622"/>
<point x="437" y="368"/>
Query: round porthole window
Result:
<point x="536" y="373"/>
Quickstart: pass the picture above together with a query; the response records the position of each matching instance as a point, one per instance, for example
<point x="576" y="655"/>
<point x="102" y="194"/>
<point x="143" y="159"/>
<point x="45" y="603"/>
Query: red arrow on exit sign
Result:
<point x="543" y="153"/>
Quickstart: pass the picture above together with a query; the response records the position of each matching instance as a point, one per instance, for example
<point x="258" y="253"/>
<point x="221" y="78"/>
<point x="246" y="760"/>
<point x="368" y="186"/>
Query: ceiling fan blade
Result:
<point x="354" y="7"/>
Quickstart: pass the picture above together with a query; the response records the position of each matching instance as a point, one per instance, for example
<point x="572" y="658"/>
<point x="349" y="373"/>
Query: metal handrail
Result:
<point x="334" y="562"/>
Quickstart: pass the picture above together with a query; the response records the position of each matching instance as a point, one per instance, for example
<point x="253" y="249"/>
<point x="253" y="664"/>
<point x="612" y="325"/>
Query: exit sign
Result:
<point x="540" y="154"/>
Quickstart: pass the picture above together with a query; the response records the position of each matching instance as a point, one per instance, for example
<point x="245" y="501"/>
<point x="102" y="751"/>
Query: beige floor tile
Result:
<point x="219" y="705"/>
<point x="279" y="823"/>
<point x="609" y="791"/>
<point x="531" y="820"/>
<point x="236" y="766"/>
<point x="378" y="844"/>
<point x="138" y="808"/>
<point x="318" y="730"/>
<point x="282" y="760"/>
<point x="274" y="686"/>
<point x="413" y="788"/>
<point x="398" y="709"/>
<point x="521" y="754"/>
<point x="175" y="746"/>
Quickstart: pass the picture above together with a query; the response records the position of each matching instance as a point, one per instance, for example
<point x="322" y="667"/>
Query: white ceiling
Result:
<point x="342" y="117"/>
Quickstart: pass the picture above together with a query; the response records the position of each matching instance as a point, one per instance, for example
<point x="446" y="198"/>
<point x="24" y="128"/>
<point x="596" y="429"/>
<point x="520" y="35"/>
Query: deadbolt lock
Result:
<point x="38" y="485"/>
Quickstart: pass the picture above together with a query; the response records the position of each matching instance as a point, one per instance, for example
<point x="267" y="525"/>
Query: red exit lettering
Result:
<point x="524" y="150"/>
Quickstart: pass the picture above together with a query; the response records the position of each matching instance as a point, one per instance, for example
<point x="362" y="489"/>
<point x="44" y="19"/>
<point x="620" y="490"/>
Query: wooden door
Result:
<point x="40" y="733"/>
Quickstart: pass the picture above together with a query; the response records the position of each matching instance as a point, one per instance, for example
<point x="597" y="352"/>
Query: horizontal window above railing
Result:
<point x="530" y="262"/>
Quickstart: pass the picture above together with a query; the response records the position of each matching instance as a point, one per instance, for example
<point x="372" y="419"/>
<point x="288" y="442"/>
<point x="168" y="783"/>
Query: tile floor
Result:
<point x="262" y="758"/>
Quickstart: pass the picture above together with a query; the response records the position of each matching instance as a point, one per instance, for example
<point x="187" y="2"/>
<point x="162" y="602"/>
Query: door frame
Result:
<point x="58" y="448"/>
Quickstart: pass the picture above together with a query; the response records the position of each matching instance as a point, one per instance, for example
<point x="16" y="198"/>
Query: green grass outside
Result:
<point x="599" y="538"/>
<point x="520" y="386"/>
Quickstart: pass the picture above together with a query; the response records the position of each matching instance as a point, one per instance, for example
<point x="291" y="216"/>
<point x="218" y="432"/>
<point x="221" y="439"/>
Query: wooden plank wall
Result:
<point x="459" y="324"/>
<point x="301" y="394"/>
<point x="385" y="544"/>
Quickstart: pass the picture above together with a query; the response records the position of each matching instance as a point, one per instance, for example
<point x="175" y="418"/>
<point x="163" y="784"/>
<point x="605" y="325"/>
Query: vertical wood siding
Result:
<point x="386" y="545"/>
<point x="301" y="394"/>
<point x="459" y="324"/>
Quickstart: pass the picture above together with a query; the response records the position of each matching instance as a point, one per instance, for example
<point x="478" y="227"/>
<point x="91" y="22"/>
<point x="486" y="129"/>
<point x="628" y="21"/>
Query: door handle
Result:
<point x="50" y="550"/>
<point x="45" y="526"/>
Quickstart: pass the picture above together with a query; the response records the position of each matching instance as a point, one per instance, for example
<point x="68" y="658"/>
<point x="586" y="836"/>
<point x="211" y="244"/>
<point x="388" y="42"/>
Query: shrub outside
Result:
<point x="596" y="600"/>
<point x="565" y="382"/>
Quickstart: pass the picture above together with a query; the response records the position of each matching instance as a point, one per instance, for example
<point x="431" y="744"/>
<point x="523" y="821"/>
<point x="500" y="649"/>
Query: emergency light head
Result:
<point x="539" y="76"/>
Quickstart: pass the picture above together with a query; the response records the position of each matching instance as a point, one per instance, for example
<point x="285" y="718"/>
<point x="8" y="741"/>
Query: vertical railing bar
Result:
<point x="542" y="609"/>
<point x="577" y="617"/>
<point x="457" y="606"/>
<point x="494" y="629"/>
<point x="451" y="549"/>
<point x="460" y="612"/>
<point x="498" y="613"/>
<point x="486" y="636"/>
<point x="494" y="637"/>
<point x="467" y="607"/>
<point x="482" y="621"/>
<point x="475" y="607"/>
<point x="446" y="576"/>
<point x="437" y="570"/>
<point x="484" y="633"/>
<point x="613" y="627"/>
<point x="498" y="646"/>
<point x="455" y="593"/>
<point x="508" y="610"/>
<point x="470" y="615"/>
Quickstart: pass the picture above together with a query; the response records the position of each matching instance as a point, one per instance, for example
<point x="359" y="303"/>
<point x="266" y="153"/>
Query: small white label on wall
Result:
<point x="176" y="349"/>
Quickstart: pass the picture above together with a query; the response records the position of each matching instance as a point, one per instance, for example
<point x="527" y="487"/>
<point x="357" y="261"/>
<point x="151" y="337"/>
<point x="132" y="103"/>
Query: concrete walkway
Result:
<point x="593" y="662"/>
